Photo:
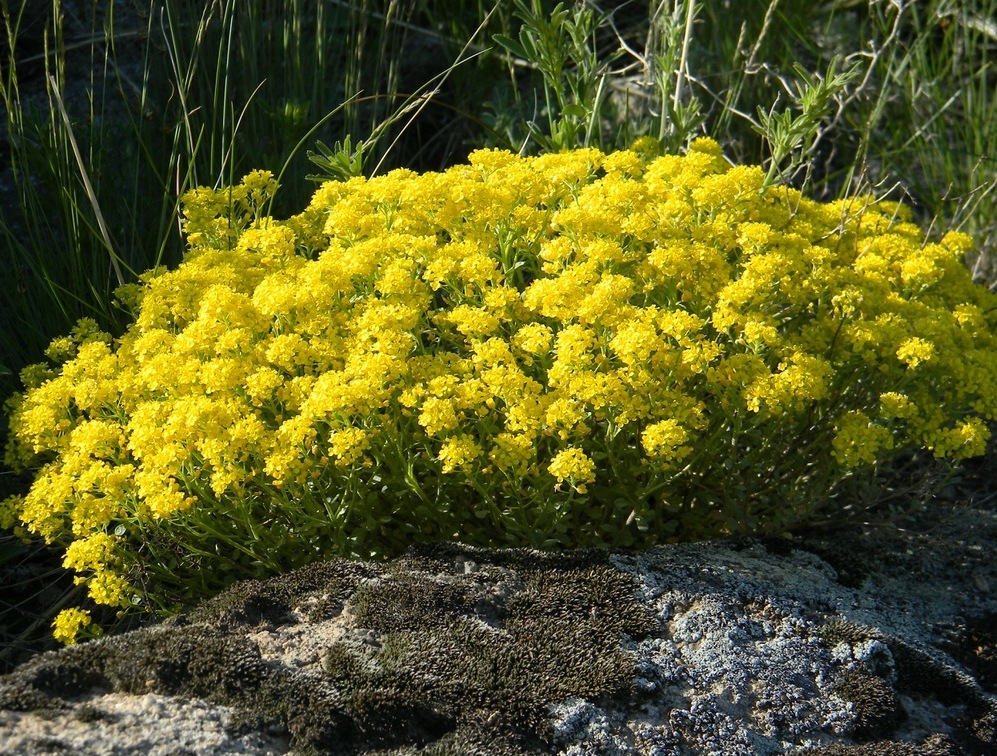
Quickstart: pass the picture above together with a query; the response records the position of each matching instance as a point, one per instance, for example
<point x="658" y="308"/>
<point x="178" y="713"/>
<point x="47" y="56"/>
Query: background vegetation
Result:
<point x="112" y="110"/>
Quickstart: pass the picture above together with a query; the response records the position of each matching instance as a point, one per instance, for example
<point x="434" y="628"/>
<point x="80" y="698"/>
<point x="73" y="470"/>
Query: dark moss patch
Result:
<point x="49" y="746"/>
<point x="936" y="745"/>
<point x="192" y="661"/>
<point x="601" y="593"/>
<point x="19" y="695"/>
<point x="463" y="653"/>
<point x="441" y="558"/>
<point x="301" y="707"/>
<point x="407" y="602"/>
<point x="456" y="649"/>
<point x="974" y="645"/>
<point x="413" y="722"/>
<point x="877" y="707"/>
<point x="920" y="675"/>
<point x="88" y="713"/>
<point x="779" y="546"/>
<point x="252" y="602"/>
<point x="844" y="631"/>
<point x="451" y="684"/>
<point x="481" y="736"/>
<point x="68" y="680"/>
<point x="222" y="668"/>
<point x="42" y="684"/>
<point x="983" y="729"/>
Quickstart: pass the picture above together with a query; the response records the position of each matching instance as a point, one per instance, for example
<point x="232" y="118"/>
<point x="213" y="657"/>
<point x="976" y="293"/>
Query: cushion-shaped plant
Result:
<point x="575" y="349"/>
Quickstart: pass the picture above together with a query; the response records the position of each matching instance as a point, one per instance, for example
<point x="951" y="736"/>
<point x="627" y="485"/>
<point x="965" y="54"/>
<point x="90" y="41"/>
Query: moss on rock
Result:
<point x="876" y="705"/>
<point x="457" y="640"/>
<point x="460" y="650"/>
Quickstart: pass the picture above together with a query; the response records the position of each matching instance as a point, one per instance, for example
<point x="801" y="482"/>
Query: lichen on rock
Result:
<point x="721" y="647"/>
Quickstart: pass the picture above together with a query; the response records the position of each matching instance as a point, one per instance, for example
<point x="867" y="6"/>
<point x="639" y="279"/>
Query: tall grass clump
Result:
<point x="601" y="329"/>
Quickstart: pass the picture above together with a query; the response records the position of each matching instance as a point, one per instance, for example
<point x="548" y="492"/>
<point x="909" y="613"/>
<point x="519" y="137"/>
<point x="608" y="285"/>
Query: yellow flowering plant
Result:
<point x="575" y="349"/>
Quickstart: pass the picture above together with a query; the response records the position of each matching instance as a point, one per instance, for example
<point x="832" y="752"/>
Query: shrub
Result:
<point x="576" y="349"/>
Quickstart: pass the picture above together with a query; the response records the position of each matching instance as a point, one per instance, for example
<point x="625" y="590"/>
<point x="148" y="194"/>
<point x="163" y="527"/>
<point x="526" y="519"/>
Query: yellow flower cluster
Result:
<point x="69" y="624"/>
<point x="436" y="355"/>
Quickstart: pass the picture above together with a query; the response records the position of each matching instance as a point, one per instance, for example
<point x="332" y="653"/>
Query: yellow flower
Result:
<point x="458" y="451"/>
<point x="69" y="623"/>
<point x="800" y="381"/>
<point x="533" y="338"/>
<point x="438" y="416"/>
<point x="698" y="357"/>
<point x="348" y="445"/>
<point x="563" y="415"/>
<point x="858" y="441"/>
<point x="893" y="404"/>
<point x="605" y="301"/>
<point x="665" y="439"/>
<point x="758" y="332"/>
<point x="574" y="346"/>
<point x="91" y="553"/>
<point x="635" y="341"/>
<point x="574" y="466"/>
<point x="968" y="438"/>
<point x="108" y="589"/>
<point x="472" y="321"/>
<point x="914" y="351"/>
<point x="513" y="452"/>
<point x="261" y="384"/>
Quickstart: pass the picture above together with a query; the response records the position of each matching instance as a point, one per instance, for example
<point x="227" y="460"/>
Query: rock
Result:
<point x="868" y="639"/>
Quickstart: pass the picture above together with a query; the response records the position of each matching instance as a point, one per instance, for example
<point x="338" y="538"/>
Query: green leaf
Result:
<point x="511" y="45"/>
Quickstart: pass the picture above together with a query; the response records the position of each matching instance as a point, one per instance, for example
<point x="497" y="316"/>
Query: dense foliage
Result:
<point x="565" y="350"/>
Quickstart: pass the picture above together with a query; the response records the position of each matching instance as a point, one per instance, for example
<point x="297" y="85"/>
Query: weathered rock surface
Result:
<point x="866" y="640"/>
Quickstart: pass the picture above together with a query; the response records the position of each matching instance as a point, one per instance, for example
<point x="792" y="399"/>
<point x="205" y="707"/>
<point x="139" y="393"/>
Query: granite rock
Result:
<point x="866" y="639"/>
